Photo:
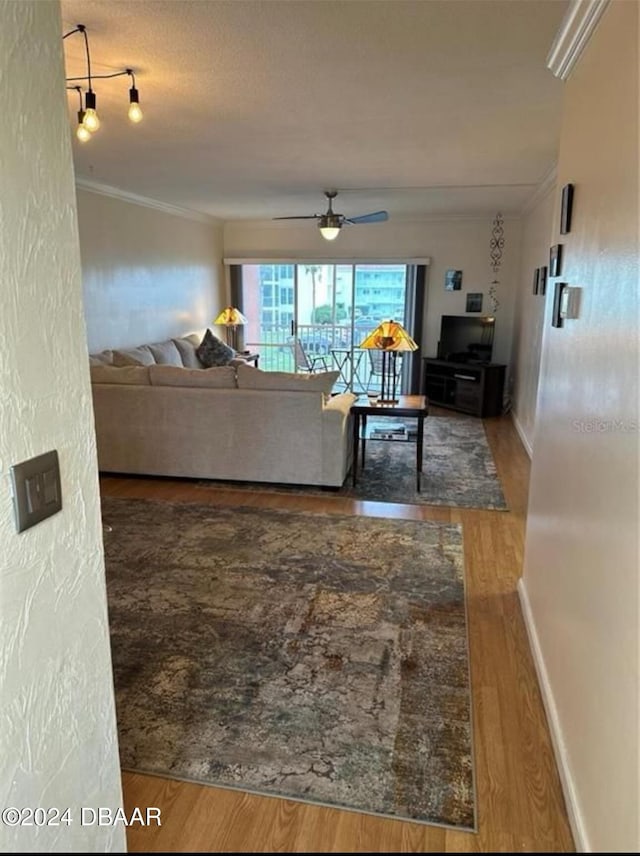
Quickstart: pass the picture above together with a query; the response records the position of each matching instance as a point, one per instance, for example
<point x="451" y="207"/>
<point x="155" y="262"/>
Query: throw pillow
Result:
<point x="166" y="353"/>
<point x="140" y="356"/>
<point x="213" y="351"/>
<point x="187" y="350"/>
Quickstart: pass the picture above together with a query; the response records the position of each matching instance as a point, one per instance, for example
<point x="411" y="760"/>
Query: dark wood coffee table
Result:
<point x="412" y="406"/>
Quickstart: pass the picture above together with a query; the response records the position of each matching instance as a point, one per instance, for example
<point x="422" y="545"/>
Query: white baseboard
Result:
<point x="521" y="434"/>
<point x="571" y="799"/>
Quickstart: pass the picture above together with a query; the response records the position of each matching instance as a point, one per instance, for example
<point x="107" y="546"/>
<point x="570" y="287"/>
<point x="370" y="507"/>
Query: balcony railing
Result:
<point x="331" y="341"/>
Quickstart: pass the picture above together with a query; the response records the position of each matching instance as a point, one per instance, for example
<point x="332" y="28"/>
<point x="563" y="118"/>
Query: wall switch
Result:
<point x="36" y="489"/>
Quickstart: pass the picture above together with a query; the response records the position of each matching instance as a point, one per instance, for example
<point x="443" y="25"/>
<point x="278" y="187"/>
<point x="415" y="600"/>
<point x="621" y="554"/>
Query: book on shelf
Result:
<point x="381" y="434"/>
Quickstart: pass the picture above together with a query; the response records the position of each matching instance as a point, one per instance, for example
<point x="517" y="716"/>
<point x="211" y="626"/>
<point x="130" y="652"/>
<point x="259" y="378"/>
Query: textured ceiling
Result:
<point x="253" y="108"/>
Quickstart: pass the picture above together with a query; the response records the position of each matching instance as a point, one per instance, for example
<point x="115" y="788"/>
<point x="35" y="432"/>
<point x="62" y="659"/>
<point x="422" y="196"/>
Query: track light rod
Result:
<point x="88" y="118"/>
<point x="101" y="76"/>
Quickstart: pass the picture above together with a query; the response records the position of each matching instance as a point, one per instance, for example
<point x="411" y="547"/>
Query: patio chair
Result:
<point x="306" y="363"/>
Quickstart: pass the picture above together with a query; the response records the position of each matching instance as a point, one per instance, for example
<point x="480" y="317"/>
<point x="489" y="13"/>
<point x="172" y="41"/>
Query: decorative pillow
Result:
<point x="137" y="375"/>
<point x="187" y="351"/>
<point x="141" y="356"/>
<point x="166" y="353"/>
<point x="221" y="377"/>
<point x="251" y="378"/>
<point x="213" y="351"/>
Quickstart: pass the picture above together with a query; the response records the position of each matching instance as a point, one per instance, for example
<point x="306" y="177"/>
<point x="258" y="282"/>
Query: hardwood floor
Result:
<point x="519" y="799"/>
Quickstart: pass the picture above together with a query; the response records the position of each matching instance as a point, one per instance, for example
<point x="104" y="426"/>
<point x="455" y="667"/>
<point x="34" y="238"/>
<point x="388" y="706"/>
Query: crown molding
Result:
<point x="575" y="31"/>
<point x="546" y="186"/>
<point x="135" y="199"/>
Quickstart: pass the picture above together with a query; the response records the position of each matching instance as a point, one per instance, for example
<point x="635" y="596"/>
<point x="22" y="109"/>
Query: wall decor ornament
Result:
<point x="453" y="280"/>
<point x="496" y="248"/>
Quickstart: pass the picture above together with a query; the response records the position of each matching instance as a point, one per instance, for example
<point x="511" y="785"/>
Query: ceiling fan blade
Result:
<point x="374" y="217"/>
<point x="301" y="217"/>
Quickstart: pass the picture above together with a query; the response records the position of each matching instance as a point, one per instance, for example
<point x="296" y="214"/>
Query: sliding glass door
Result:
<point x="311" y="316"/>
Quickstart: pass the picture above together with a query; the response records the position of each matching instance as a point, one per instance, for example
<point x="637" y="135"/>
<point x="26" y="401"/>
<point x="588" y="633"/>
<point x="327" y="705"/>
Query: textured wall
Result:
<point x="57" y="735"/>
<point x="529" y="314"/>
<point x="147" y="275"/>
<point x="460" y="243"/>
<point x="581" y="561"/>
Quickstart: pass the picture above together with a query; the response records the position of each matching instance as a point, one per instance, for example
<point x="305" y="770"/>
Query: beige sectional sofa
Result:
<point x="234" y="422"/>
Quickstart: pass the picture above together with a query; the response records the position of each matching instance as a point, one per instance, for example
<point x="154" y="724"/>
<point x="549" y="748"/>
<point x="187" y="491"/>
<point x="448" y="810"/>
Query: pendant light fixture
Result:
<point x="88" y="119"/>
<point x="135" y="112"/>
<point x="82" y="133"/>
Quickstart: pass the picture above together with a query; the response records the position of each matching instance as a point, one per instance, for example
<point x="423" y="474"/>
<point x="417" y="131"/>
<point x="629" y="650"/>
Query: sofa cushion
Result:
<point x="124" y="374"/>
<point x="187" y="350"/>
<point x="219" y="377"/>
<point x="252" y="378"/>
<point x="166" y="353"/>
<point x="213" y="351"/>
<point x="103" y="358"/>
<point x="141" y="356"/>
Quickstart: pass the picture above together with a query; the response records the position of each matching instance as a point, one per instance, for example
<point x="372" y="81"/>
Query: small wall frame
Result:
<point x="453" y="280"/>
<point x="555" y="260"/>
<point x="566" y="209"/>
<point x="542" y="280"/>
<point x="474" y="301"/>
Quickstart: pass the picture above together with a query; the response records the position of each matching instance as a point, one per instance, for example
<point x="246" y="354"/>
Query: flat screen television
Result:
<point x="466" y="339"/>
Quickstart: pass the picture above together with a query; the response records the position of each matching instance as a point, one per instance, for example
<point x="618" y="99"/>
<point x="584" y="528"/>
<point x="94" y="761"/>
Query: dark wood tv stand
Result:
<point x="475" y="388"/>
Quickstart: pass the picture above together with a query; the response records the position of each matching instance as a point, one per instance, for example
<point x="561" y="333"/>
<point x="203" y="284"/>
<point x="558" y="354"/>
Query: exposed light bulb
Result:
<point x="82" y="134"/>
<point x="91" y="120"/>
<point x="135" y="112"/>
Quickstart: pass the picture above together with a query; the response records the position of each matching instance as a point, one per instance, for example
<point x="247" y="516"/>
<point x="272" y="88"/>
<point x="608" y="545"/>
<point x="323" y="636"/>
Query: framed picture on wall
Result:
<point x="536" y="277"/>
<point x="555" y="260"/>
<point x="453" y="280"/>
<point x="542" y="280"/>
<point x="474" y="301"/>
<point x="565" y="211"/>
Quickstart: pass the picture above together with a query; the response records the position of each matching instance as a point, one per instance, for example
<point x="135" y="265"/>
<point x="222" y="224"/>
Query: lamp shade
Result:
<point x="389" y="336"/>
<point x="230" y="317"/>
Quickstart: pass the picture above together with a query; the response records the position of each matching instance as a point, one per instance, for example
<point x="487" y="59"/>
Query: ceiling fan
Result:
<point x="330" y="223"/>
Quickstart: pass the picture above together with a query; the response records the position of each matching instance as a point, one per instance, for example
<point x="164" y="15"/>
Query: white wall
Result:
<point x="460" y="243"/>
<point x="58" y="742"/>
<point x="581" y="561"/>
<point x="537" y="231"/>
<point x="148" y="275"/>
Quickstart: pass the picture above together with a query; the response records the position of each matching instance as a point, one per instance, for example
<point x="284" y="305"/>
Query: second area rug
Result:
<point x="316" y="657"/>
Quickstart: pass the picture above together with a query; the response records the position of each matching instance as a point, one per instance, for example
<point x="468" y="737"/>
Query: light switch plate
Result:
<point x="36" y="489"/>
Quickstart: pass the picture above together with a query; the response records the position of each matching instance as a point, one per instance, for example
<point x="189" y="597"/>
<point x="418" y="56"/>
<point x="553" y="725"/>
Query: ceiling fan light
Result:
<point x="329" y="233"/>
<point x="329" y="225"/>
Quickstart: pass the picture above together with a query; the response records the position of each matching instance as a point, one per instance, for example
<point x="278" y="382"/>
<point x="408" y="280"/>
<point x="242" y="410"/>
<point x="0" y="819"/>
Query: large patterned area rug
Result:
<point x="458" y="469"/>
<point x="317" y="657"/>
